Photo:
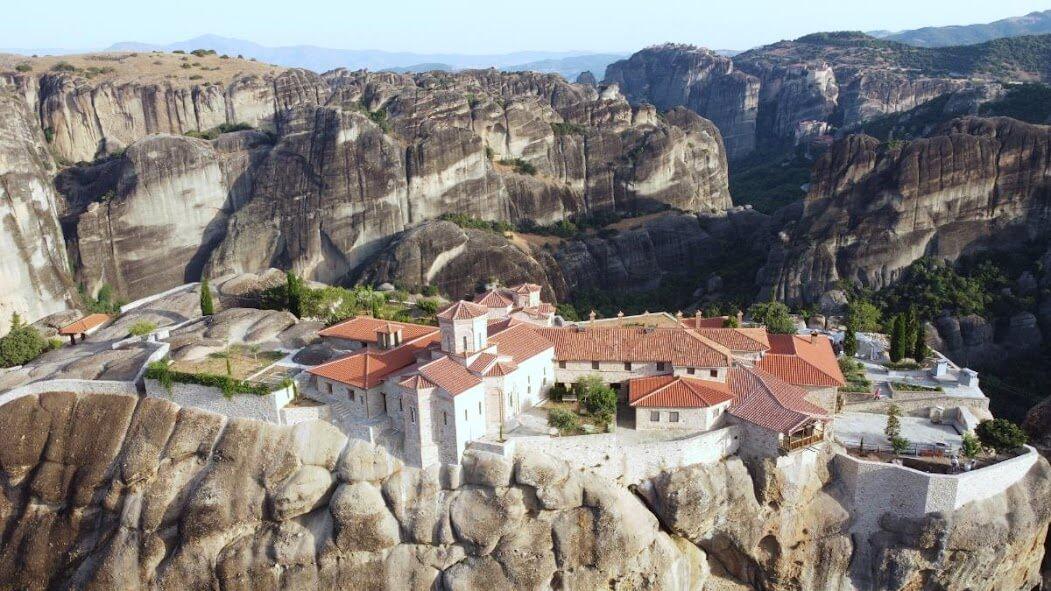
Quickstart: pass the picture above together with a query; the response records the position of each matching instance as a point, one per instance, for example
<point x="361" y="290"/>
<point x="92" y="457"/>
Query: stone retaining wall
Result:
<point x="876" y="488"/>
<point x="250" y="406"/>
<point x="919" y="404"/>
<point x="616" y="458"/>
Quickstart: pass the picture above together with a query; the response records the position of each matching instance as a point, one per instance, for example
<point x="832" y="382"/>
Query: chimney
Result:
<point x="678" y="315"/>
<point x="968" y="377"/>
<point x="620" y="314"/>
<point x="698" y="314"/>
<point x="941" y="367"/>
<point x="592" y="316"/>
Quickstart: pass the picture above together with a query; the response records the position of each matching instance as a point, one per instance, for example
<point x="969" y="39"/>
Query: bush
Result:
<point x="520" y="166"/>
<point x="893" y="428"/>
<point x="430" y="290"/>
<point x="203" y="52"/>
<point x="596" y="397"/>
<point x="1001" y="435"/>
<point x="63" y="67"/>
<point x="160" y="371"/>
<point x="427" y="306"/>
<point x="557" y="392"/>
<point x="899" y="444"/>
<point x="562" y="420"/>
<point x="207" y="305"/>
<point x="21" y="345"/>
<point x="142" y="328"/>
<point x="567" y="129"/>
<point x="971" y="446"/>
<point x="23" y="68"/>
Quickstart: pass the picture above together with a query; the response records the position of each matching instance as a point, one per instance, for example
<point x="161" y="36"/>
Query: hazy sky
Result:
<point x="463" y="26"/>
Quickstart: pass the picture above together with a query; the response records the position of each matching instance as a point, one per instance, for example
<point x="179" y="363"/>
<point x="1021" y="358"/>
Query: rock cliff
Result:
<point x="350" y="159"/>
<point x="874" y="208"/>
<point x="114" y="492"/>
<point x="34" y="268"/>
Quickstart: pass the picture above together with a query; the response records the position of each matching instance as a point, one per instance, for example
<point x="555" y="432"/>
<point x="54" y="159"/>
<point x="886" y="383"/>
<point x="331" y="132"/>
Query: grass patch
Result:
<point x="907" y="387"/>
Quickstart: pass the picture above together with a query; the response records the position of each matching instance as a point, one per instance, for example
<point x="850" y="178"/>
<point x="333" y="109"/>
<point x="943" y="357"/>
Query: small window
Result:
<point x="479" y="408"/>
<point x="662" y="366"/>
<point x="561" y="365"/>
<point x="713" y="373"/>
<point x="412" y="414"/>
<point x="445" y="418"/>
<point x="401" y="405"/>
<point x="352" y="395"/>
<point x="673" y="417"/>
<point x="594" y="365"/>
<point x="627" y="366"/>
<point x="655" y="416"/>
<point x="465" y="414"/>
<point x="690" y="370"/>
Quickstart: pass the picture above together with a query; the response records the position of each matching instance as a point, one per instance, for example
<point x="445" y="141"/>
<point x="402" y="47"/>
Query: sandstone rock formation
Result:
<point x="873" y="209"/>
<point x="34" y="268"/>
<point x="114" y="492"/>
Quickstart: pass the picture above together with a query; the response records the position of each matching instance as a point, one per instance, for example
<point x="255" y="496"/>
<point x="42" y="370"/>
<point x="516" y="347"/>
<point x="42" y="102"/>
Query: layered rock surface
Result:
<point x="114" y="492"/>
<point x="34" y="268"/>
<point x="872" y="209"/>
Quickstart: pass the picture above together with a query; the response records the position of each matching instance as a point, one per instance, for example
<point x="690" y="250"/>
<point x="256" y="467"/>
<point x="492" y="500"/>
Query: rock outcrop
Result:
<point x="34" y="268"/>
<point x="351" y="159"/>
<point x="114" y="492"/>
<point x="872" y="209"/>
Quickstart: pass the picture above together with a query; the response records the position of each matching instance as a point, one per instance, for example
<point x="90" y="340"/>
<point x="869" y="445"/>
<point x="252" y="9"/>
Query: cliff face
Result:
<point x="34" y="268"/>
<point x="114" y="492"/>
<point x="872" y="209"/>
<point x="354" y="158"/>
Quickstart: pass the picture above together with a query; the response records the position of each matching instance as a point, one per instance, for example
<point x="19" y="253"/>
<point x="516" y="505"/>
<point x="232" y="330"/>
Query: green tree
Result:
<point x="919" y="348"/>
<point x="207" y="305"/>
<point x="596" y="397"/>
<point x="864" y="315"/>
<point x="294" y="293"/>
<point x="731" y="322"/>
<point x="774" y="315"/>
<point x="562" y="420"/>
<point x="909" y="329"/>
<point x="897" y="339"/>
<point x="850" y="342"/>
<point x="1001" y="435"/>
<point x="21" y="344"/>
<point x="899" y="444"/>
<point x="971" y="446"/>
<point x="893" y="428"/>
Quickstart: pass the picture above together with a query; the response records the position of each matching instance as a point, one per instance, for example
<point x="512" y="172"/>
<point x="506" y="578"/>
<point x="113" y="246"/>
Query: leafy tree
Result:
<point x="731" y="322"/>
<point x="893" y="428"/>
<point x="596" y="397"/>
<point x="563" y="420"/>
<point x="21" y="344"/>
<point x="774" y="315"/>
<point x="850" y="342"/>
<point x="567" y="312"/>
<point x="207" y="305"/>
<point x="971" y="446"/>
<point x="1001" y="435"/>
<point x="427" y="306"/>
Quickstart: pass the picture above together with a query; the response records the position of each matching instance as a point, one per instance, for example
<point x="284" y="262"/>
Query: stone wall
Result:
<point x="919" y="404"/>
<point x="630" y="463"/>
<point x="70" y="385"/>
<point x="876" y="488"/>
<point x="249" y="406"/>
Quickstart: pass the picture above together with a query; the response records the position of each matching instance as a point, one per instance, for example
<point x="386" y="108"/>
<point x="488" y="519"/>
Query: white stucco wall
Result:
<point x="698" y="419"/>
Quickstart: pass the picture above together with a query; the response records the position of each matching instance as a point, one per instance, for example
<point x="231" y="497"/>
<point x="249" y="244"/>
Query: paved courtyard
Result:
<point x="853" y="427"/>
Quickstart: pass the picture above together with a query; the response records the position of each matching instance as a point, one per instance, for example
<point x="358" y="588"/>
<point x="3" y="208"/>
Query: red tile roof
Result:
<point x="482" y="362"/>
<point x="85" y="324"/>
<point x="520" y="341"/>
<point x="492" y="299"/>
<point x="364" y="328"/>
<point x="463" y="310"/>
<point x="449" y="375"/>
<point x="368" y="369"/>
<point x="803" y="360"/>
<point x="526" y="288"/>
<point x="544" y="309"/>
<point x="764" y="399"/>
<point x="678" y="346"/>
<point x="416" y="382"/>
<point x="501" y="368"/>
<point x="676" y="392"/>
<point x="710" y="322"/>
<point x="751" y="340"/>
<point x="502" y="324"/>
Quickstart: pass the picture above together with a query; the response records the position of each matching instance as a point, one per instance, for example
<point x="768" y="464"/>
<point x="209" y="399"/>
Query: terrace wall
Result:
<point x="249" y="406"/>
<point x="919" y="404"/>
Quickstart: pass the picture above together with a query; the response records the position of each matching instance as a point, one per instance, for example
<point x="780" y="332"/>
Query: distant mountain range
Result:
<point x="320" y="59"/>
<point x="1034" y="23"/>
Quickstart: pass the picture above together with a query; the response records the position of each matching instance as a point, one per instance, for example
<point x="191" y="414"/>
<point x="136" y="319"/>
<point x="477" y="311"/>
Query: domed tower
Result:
<point x="464" y="327"/>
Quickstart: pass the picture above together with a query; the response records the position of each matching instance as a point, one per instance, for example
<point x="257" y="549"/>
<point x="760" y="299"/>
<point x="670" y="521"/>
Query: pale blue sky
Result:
<point x="463" y="26"/>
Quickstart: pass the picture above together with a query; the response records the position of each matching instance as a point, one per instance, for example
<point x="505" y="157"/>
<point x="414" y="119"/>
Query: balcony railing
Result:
<point x="789" y="444"/>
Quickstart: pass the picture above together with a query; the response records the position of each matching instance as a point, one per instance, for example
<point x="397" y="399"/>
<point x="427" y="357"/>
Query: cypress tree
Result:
<point x="911" y="323"/>
<point x="919" y="349"/>
<point x="294" y="294"/>
<point x="850" y="342"/>
<point x="897" y="339"/>
<point x="207" y="306"/>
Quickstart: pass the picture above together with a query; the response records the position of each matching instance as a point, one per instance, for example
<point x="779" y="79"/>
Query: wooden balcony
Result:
<point x="792" y="443"/>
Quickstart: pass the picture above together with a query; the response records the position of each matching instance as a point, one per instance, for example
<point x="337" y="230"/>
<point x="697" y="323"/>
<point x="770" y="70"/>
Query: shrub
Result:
<point x="562" y="420"/>
<point x="557" y="392"/>
<point x="899" y="444"/>
<point x="63" y="67"/>
<point x="731" y="322"/>
<point x="864" y="316"/>
<point x="427" y="306"/>
<point x="971" y="446"/>
<point x="850" y="342"/>
<point x="567" y="129"/>
<point x="596" y="397"/>
<point x="203" y="52"/>
<point x="160" y="371"/>
<point x="196" y="77"/>
<point x="520" y="166"/>
<point x="142" y="328"/>
<point x="893" y="428"/>
<point x="23" y="68"/>
<point x="294" y="294"/>
<point x="21" y="345"/>
<point x="430" y="290"/>
<point x="1001" y="435"/>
